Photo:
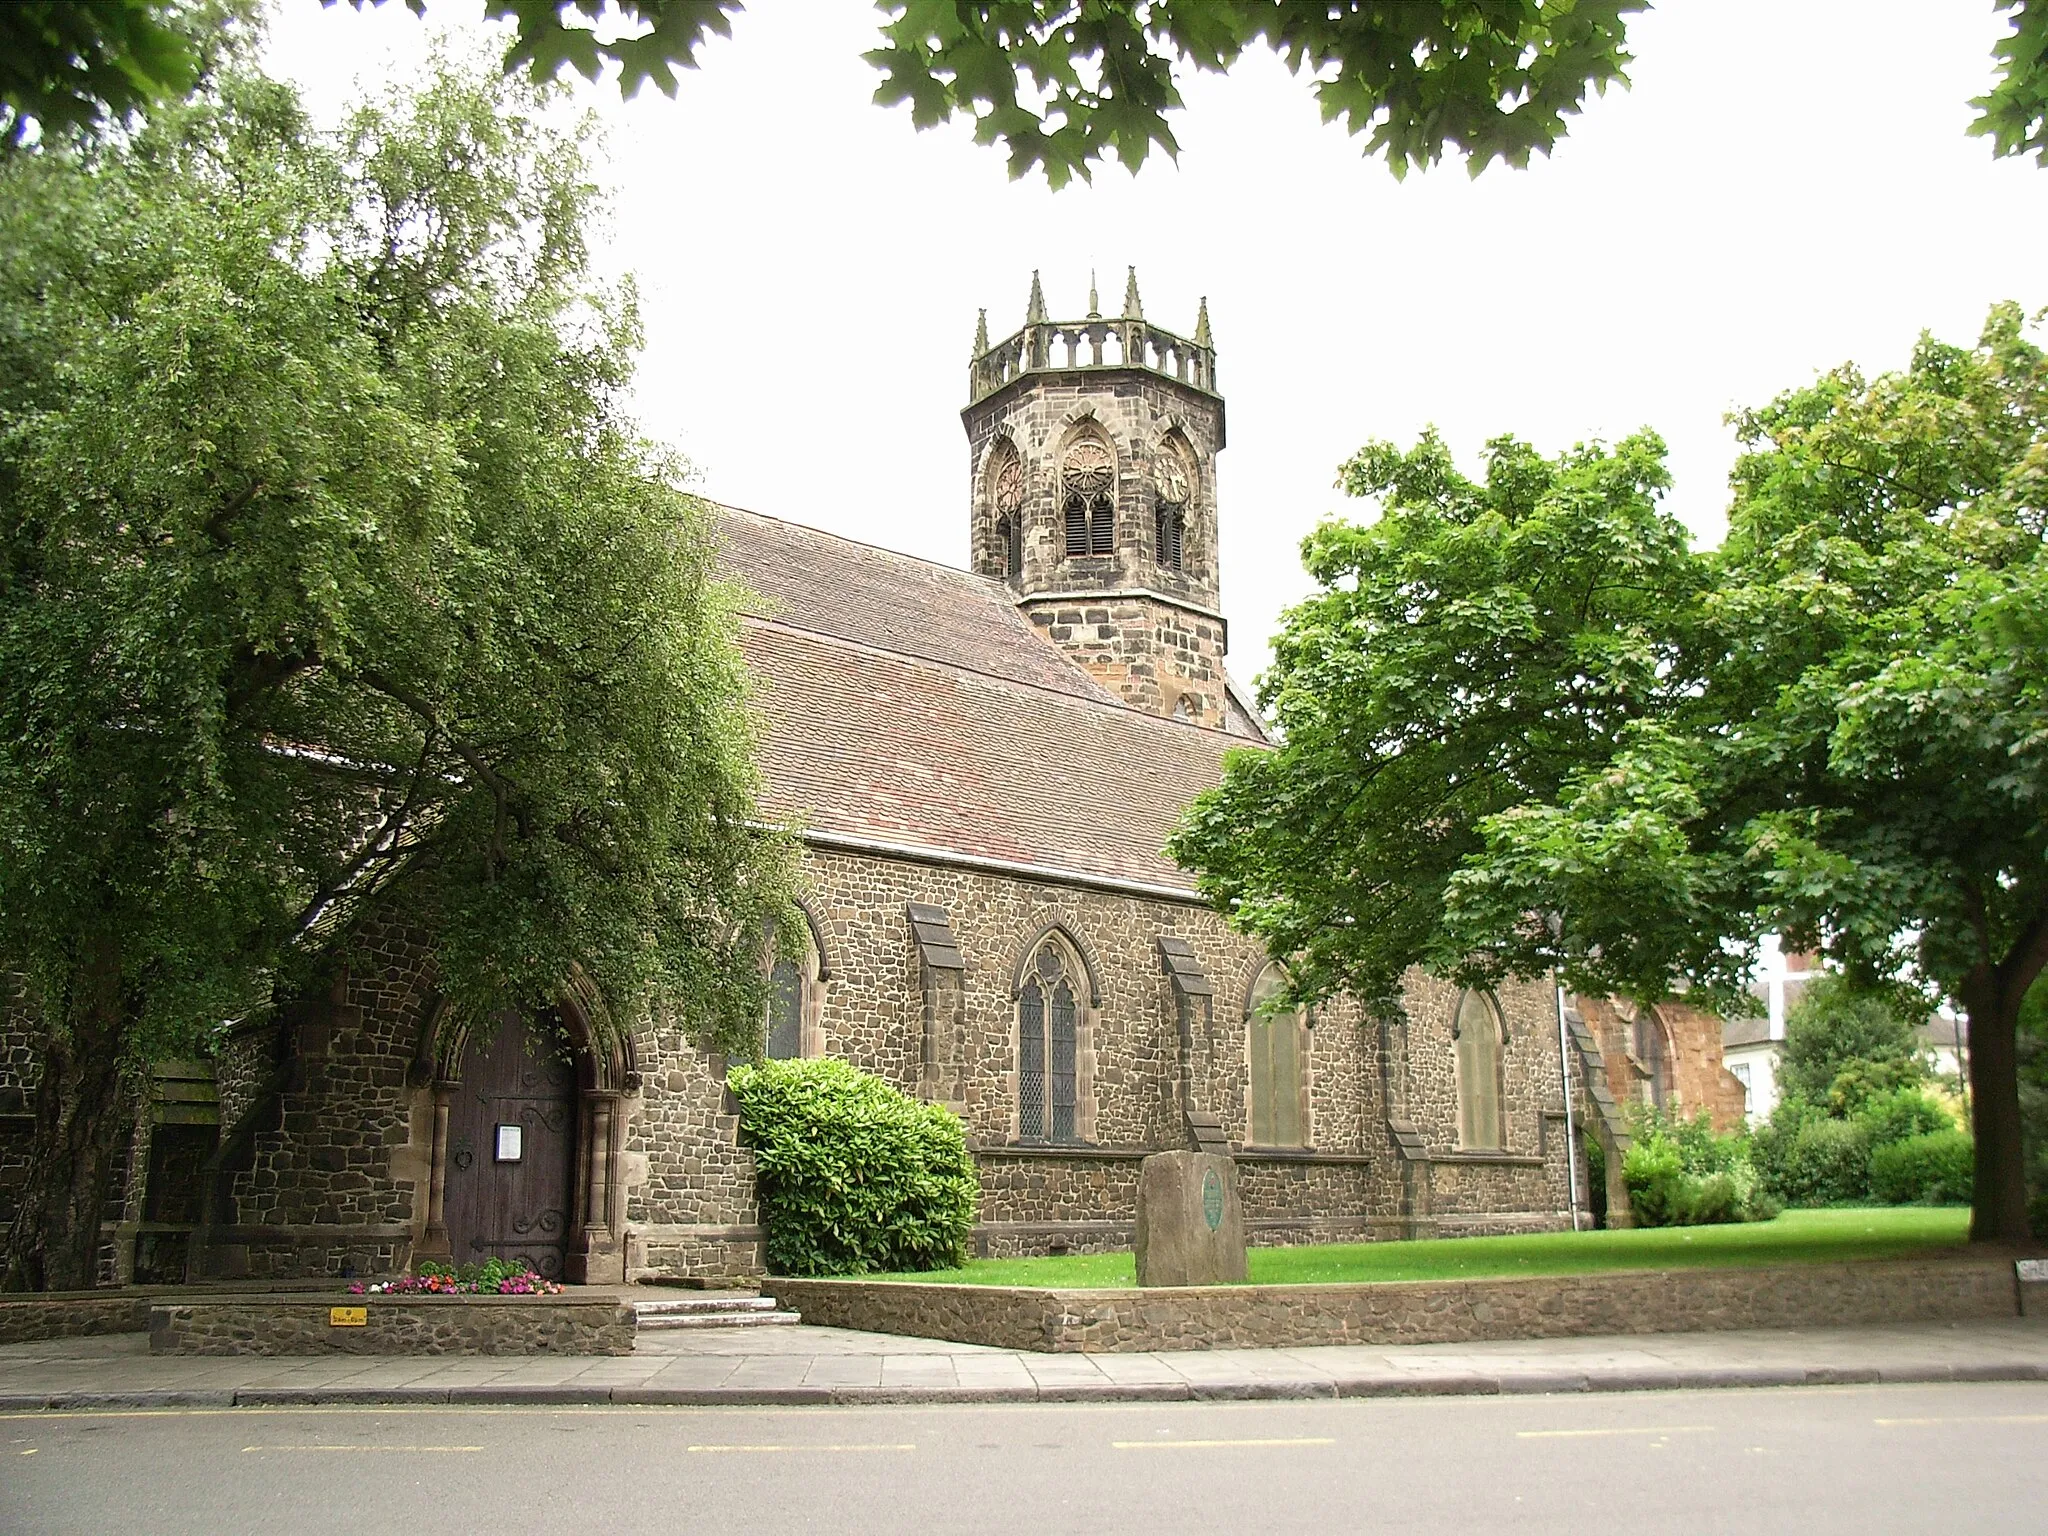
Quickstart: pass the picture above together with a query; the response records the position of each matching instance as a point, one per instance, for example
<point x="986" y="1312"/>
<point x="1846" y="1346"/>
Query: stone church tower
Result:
<point x="1094" y="447"/>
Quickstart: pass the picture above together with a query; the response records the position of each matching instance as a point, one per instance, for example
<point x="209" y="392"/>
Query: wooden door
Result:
<point x="512" y="1148"/>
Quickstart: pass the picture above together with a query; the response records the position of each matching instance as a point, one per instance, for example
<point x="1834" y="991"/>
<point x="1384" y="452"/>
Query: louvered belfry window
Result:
<point x="1088" y="498"/>
<point x="1048" y="1019"/>
<point x="1006" y="486"/>
<point x="1171" y="482"/>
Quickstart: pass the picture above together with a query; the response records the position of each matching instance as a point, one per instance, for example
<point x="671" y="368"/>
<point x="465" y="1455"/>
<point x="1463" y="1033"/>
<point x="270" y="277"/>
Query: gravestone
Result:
<point x="1190" y="1224"/>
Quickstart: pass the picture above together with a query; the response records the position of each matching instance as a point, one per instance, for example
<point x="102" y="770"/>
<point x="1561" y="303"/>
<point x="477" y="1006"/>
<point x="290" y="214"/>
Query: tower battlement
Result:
<point x="1128" y="340"/>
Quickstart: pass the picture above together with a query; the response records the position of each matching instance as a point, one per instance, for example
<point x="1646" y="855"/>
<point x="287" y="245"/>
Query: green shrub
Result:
<point x="1844" y="1043"/>
<point x="1825" y="1161"/>
<point x="1682" y="1173"/>
<point x="1904" y="1112"/>
<point x="851" y="1175"/>
<point x="1655" y="1175"/>
<point x="1934" y="1169"/>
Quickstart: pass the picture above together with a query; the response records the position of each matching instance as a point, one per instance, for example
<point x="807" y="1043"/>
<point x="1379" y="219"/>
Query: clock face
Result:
<point x="1170" y="479"/>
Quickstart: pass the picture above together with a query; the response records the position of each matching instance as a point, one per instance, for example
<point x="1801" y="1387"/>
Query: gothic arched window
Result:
<point x="1088" y="498"/>
<point x="1171" y="481"/>
<point x="1476" y="1029"/>
<point x="1275" y="1042"/>
<point x="1653" y="1058"/>
<point x="1006" y="496"/>
<point x="1048" y="1019"/>
<point x="795" y="998"/>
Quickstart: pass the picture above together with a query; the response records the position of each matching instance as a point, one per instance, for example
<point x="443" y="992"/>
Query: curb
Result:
<point x="1386" y="1384"/>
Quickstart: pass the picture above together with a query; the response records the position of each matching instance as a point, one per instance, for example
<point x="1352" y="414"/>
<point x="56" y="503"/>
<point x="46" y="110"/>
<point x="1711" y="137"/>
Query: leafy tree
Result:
<point x="1837" y="1029"/>
<point x="1472" y="650"/>
<point x="1536" y="732"/>
<point x="64" y="64"/>
<point x="1860" y="756"/>
<point x="2033" y="1069"/>
<point x="331" y="575"/>
<point x="1064" y="84"/>
<point x="2014" y="116"/>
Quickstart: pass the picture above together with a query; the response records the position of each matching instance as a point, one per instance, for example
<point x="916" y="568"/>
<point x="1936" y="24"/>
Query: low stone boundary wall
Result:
<point x="394" y="1325"/>
<point x="70" y="1315"/>
<point x="1415" y="1312"/>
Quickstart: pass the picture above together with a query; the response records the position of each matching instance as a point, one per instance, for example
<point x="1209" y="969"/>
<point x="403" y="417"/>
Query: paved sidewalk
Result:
<point x="828" y="1365"/>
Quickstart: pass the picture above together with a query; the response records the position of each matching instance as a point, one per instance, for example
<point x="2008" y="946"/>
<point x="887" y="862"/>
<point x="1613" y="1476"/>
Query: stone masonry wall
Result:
<point x="1423" y="1312"/>
<point x="1696" y="1076"/>
<point x="1037" y="1200"/>
<point x="337" y="1185"/>
<point x="407" y="1325"/>
<point x="1157" y="655"/>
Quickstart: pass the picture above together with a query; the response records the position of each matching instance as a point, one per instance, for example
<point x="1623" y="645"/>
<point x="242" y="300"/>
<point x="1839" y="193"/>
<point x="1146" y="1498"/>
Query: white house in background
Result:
<point x="1750" y="1046"/>
<point x="1946" y="1039"/>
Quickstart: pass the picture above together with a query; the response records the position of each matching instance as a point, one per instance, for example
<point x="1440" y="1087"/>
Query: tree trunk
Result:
<point x="55" y="1240"/>
<point x="1998" y="1212"/>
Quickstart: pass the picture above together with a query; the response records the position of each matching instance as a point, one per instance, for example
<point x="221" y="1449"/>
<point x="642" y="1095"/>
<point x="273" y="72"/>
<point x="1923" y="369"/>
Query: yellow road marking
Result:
<point x="803" y="1447"/>
<point x="1207" y="1445"/>
<point x="31" y="1451"/>
<point x="1971" y="1418"/>
<point x="1588" y="1434"/>
<point x="248" y="1448"/>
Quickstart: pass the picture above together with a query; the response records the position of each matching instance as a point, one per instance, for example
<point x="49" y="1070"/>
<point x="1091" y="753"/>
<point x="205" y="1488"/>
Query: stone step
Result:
<point x="689" y="1305"/>
<point x="747" y="1319"/>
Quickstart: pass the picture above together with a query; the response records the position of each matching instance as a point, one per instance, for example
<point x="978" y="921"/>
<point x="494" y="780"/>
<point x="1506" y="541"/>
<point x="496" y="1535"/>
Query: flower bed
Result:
<point x="493" y="1277"/>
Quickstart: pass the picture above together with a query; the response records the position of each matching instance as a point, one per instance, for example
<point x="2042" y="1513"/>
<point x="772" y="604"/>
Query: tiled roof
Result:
<point x="869" y="744"/>
<point x="1739" y="1032"/>
<point x="819" y="581"/>
<point x="909" y="703"/>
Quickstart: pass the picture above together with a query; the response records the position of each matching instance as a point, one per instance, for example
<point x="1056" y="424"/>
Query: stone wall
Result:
<point x="1431" y="1312"/>
<point x="872" y="1012"/>
<point x="690" y="1207"/>
<point x="395" y="1325"/>
<point x="328" y="1116"/>
<point x="1688" y="1040"/>
<point x="71" y="1315"/>
<point x="1147" y="631"/>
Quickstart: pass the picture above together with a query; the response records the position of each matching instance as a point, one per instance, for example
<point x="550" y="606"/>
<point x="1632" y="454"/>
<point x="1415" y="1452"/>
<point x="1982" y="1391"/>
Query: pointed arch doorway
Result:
<point x="511" y="1148"/>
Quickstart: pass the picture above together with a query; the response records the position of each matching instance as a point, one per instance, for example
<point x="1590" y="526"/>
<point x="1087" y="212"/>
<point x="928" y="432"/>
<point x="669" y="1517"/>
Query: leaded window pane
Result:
<point x="1286" y="1080"/>
<point x="1063" y="1018"/>
<point x="785" y="1011"/>
<point x="1031" y="1062"/>
<point x="1478" y="1058"/>
<point x="1262" y="1081"/>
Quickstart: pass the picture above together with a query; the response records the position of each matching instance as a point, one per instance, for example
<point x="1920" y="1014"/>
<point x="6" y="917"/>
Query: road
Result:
<point x="1865" y="1459"/>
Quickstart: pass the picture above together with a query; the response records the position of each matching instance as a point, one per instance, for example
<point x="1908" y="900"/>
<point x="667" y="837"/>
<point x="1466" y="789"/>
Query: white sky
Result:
<point x="1787" y="186"/>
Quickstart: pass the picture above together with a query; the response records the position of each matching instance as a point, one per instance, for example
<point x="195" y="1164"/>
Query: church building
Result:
<point x="983" y="766"/>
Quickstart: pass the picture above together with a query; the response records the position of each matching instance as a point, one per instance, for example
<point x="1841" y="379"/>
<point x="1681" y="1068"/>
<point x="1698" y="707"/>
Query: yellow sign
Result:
<point x="347" y="1317"/>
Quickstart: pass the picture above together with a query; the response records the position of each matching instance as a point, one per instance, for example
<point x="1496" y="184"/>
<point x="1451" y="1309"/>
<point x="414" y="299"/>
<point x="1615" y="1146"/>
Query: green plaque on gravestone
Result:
<point x="1212" y="1199"/>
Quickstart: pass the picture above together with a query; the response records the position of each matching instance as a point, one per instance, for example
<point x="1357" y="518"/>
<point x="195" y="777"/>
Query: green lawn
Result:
<point x="1795" y="1237"/>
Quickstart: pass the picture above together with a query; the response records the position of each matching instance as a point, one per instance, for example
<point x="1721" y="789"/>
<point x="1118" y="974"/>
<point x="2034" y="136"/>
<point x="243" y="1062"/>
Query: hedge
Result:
<point x="1935" y="1169"/>
<point x="850" y="1174"/>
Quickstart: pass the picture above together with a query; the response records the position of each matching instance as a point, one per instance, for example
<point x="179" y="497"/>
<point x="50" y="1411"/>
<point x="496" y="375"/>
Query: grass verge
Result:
<point x="1796" y="1237"/>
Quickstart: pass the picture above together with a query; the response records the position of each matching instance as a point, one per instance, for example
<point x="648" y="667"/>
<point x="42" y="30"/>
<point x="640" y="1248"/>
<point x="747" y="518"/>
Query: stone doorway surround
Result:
<point x="606" y="1074"/>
